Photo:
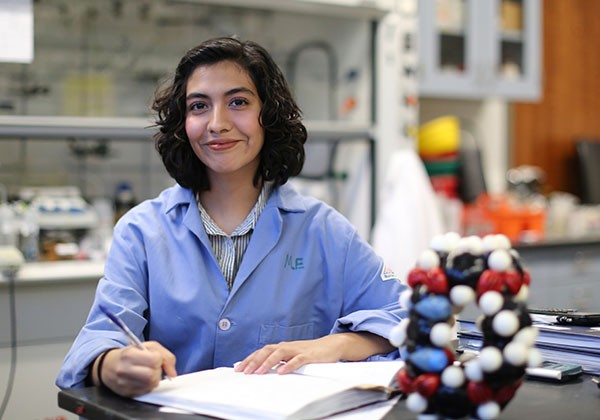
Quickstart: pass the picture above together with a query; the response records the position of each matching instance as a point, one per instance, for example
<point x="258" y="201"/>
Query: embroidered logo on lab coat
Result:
<point x="387" y="273"/>
<point x="295" y="263"/>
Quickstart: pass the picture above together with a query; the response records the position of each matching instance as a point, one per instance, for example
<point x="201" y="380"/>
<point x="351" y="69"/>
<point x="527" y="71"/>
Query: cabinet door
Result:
<point x="516" y="49"/>
<point x="477" y="48"/>
<point x="447" y="48"/>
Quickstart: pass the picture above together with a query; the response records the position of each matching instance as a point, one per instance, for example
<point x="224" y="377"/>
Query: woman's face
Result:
<point x="223" y="120"/>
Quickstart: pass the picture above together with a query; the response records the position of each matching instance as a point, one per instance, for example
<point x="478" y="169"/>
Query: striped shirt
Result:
<point x="229" y="250"/>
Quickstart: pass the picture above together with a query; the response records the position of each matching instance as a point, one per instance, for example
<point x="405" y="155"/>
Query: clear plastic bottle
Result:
<point x="30" y="235"/>
<point x="9" y="232"/>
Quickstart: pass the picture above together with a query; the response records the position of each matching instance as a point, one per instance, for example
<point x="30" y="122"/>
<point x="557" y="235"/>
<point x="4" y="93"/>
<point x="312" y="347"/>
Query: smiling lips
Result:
<point x="220" y="145"/>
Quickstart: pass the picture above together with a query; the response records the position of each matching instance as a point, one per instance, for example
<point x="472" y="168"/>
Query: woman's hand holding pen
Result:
<point x="132" y="371"/>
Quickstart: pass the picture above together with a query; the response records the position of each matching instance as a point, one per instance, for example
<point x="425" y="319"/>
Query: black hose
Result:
<point x="13" y="343"/>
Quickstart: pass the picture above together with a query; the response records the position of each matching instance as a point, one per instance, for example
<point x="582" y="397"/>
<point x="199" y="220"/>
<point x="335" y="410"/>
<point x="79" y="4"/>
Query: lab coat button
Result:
<point x="224" y="324"/>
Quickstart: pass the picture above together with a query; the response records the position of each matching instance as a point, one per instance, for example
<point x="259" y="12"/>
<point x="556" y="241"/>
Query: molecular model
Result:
<point x="450" y="275"/>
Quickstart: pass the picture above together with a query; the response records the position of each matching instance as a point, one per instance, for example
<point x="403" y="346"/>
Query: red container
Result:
<point x="447" y="185"/>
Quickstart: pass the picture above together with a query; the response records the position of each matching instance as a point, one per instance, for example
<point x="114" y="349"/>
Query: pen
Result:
<point x="123" y="327"/>
<point x="130" y="335"/>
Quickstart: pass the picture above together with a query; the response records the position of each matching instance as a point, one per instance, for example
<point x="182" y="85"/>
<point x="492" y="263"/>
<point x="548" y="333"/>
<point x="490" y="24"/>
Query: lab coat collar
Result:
<point x="177" y="196"/>
<point x="181" y="203"/>
<point x="288" y="199"/>
<point x="285" y="197"/>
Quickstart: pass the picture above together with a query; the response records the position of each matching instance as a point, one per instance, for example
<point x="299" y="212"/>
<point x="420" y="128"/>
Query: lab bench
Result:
<point x="565" y="272"/>
<point x="52" y="300"/>
<point x="535" y="399"/>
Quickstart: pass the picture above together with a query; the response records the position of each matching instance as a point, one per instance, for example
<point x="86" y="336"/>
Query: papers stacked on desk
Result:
<point x="558" y="343"/>
<point x="314" y="391"/>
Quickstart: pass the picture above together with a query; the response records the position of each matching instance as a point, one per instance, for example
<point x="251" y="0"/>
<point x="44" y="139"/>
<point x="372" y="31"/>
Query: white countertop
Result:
<point x="34" y="272"/>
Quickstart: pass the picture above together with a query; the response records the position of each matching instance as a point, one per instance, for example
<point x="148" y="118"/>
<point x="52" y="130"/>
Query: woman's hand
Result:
<point x="131" y="371"/>
<point x="331" y="348"/>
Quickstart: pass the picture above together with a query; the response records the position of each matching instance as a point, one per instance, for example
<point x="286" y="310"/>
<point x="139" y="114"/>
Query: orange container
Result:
<point x="491" y="215"/>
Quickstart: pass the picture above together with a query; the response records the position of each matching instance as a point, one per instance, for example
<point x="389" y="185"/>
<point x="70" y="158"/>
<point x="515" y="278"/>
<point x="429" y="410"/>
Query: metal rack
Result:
<point x="93" y="128"/>
<point x="347" y="8"/>
<point x="48" y="127"/>
<point x="141" y="129"/>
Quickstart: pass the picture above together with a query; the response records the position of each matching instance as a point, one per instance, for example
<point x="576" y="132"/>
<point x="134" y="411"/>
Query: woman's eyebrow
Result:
<point x="232" y="91"/>
<point x="241" y="89"/>
<point x="196" y="95"/>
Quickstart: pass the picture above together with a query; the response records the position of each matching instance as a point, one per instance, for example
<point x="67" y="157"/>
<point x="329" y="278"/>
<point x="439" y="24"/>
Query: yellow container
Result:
<point x="439" y="136"/>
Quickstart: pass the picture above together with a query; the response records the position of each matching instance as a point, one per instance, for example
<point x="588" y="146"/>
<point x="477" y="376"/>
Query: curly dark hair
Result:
<point x="282" y="155"/>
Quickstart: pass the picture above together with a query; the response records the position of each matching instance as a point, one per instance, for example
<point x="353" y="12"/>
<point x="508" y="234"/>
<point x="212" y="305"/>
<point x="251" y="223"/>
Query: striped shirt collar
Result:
<point x="229" y="250"/>
<point x="247" y="225"/>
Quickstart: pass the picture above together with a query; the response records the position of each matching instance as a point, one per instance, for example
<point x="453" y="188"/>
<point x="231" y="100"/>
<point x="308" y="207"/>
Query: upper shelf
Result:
<point x="372" y="9"/>
<point x="36" y="127"/>
<point x="94" y="128"/>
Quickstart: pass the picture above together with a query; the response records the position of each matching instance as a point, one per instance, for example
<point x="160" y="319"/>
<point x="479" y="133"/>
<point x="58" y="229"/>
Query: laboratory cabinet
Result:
<point x="51" y="303"/>
<point x="473" y="49"/>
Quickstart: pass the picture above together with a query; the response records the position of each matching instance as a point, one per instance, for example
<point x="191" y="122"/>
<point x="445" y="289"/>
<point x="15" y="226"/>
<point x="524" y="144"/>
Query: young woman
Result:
<point x="232" y="264"/>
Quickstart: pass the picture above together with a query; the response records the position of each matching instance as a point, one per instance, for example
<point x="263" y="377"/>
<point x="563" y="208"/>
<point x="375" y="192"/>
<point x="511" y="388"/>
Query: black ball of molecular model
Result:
<point x="450" y="275"/>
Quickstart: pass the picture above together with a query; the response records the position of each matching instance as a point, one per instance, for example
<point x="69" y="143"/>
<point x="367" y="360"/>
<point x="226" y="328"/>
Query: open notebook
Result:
<point x="314" y="391"/>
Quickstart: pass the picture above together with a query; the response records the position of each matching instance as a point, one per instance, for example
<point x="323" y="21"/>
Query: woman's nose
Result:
<point x="219" y="120"/>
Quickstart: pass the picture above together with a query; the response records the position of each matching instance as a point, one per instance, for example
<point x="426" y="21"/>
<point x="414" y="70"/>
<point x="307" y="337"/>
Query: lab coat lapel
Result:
<point x="193" y="221"/>
<point x="264" y="238"/>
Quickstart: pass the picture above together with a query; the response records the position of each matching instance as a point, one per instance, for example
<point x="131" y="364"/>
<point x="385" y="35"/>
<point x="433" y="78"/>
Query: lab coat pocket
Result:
<point x="272" y="334"/>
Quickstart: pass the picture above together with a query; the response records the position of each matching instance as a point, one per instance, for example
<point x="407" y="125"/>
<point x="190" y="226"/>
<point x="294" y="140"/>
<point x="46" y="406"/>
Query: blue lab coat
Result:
<point x="306" y="273"/>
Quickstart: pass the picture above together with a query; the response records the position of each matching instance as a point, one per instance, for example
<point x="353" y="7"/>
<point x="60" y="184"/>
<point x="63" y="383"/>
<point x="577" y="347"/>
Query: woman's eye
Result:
<point x="237" y="102"/>
<point x="197" y="106"/>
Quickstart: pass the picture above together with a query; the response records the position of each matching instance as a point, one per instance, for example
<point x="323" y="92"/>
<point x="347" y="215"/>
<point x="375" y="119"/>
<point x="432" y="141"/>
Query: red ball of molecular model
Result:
<point x="453" y="273"/>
